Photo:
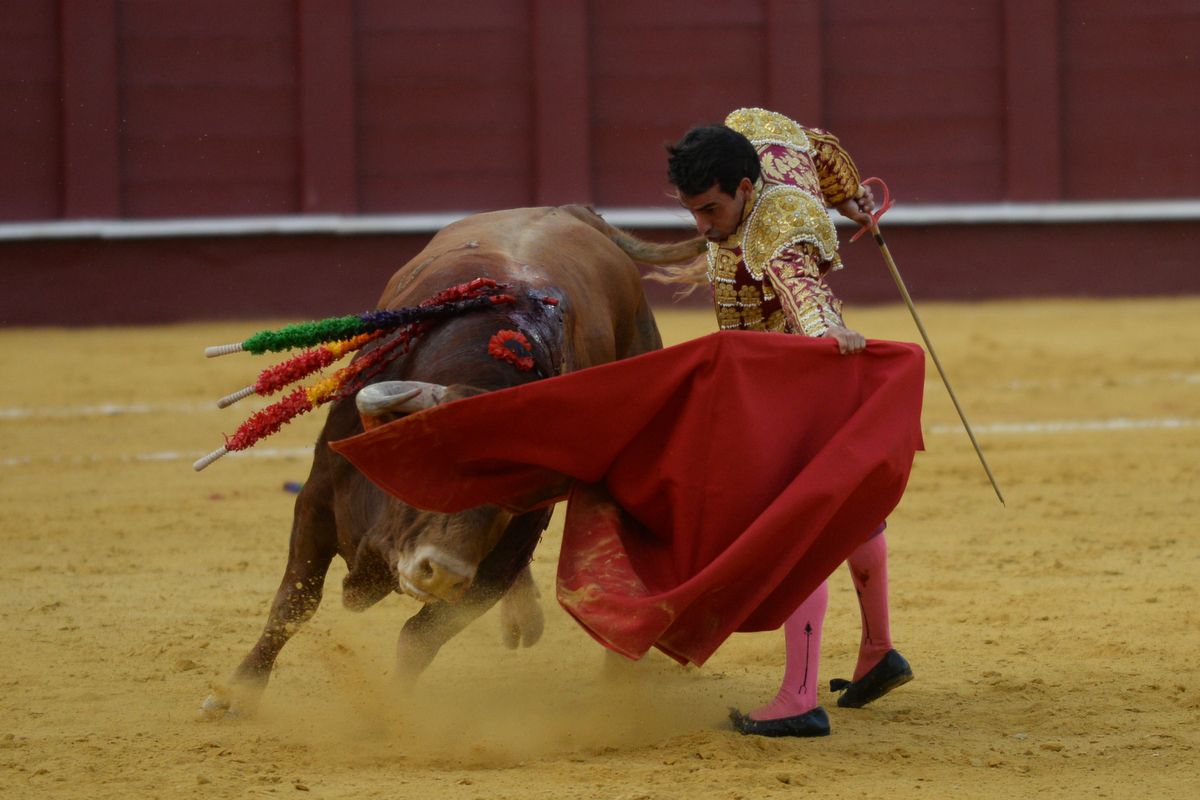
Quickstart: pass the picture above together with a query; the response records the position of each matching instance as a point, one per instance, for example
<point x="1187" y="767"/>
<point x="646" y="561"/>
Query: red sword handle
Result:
<point x="880" y="210"/>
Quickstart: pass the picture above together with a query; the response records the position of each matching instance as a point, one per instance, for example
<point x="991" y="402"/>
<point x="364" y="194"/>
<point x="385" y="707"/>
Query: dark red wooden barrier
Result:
<point x="141" y="109"/>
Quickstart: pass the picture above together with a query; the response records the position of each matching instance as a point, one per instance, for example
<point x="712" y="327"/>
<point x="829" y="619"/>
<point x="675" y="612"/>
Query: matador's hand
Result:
<point x="859" y="207"/>
<point x="849" y="341"/>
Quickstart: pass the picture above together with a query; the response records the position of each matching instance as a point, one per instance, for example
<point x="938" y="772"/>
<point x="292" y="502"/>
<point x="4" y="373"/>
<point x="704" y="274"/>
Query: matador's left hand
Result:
<point x="849" y="341"/>
<point x="859" y="207"/>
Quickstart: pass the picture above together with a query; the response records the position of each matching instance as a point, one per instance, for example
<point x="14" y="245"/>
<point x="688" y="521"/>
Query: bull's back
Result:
<point x="561" y="251"/>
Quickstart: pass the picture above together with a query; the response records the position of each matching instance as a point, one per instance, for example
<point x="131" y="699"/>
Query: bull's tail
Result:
<point x="656" y="252"/>
<point x="639" y="249"/>
<point x="688" y="277"/>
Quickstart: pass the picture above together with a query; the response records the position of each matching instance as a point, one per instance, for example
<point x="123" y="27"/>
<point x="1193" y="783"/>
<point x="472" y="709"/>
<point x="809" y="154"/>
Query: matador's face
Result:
<point x="717" y="214"/>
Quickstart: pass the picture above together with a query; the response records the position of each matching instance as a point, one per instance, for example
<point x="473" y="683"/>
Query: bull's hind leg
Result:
<point x="505" y="568"/>
<point x="313" y="546"/>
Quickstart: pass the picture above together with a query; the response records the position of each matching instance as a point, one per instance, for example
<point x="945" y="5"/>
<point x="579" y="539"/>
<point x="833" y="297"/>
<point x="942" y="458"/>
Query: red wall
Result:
<point x="137" y="109"/>
<point x="30" y="112"/>
<point x="1130" y="115"/>
<point x="146" y="108"/>
<point x="207" y="99"/>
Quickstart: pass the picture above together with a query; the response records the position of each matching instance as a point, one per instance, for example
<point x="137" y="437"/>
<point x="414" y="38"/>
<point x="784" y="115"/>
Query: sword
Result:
<point x="891" y="265"/>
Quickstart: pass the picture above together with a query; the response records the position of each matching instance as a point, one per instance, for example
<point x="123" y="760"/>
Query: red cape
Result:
<point x="718" y="482"/>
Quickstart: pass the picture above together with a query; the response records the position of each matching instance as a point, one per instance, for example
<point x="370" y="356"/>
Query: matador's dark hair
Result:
<point x="709" y="154"/>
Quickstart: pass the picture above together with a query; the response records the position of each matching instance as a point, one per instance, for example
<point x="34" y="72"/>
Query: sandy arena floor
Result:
<point x="1055" y="641"/>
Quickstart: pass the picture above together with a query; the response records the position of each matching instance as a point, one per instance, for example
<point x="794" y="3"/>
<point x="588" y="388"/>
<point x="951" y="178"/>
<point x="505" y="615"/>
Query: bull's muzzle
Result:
<point x="431" y="574"/>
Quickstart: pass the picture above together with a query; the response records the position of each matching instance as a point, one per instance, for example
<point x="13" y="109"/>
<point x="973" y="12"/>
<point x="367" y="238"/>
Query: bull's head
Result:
<point x="435" y="556"/>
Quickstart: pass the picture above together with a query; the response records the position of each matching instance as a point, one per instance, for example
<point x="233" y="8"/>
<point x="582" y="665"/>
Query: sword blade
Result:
<point x="912" y="309"/>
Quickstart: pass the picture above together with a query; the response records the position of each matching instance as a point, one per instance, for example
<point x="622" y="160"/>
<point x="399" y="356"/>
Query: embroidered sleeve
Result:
<point x="839" y="177"/>
<point x="810" y="306"/>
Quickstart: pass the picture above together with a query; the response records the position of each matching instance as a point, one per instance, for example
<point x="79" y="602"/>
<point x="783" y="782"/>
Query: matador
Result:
<point x="759" y="188"/>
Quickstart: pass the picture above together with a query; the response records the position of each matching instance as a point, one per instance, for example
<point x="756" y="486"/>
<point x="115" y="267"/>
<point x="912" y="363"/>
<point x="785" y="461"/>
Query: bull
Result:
<point x="579" y="303"/>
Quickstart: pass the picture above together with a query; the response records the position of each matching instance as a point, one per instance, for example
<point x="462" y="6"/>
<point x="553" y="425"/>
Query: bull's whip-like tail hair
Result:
<point x="688" y="277"/>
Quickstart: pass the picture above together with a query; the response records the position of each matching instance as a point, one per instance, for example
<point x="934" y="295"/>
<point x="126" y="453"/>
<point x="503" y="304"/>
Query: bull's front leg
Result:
<point x="521" y="617"/>
<point x="521" y="621"/>
<point x="505" y="570"/>
<point x="435" y="624"/>
<point x="313" y="545"/>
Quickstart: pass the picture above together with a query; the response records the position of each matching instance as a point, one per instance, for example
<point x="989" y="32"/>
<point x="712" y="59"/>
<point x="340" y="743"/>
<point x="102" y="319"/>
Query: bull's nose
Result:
<point x="433" y="575"/>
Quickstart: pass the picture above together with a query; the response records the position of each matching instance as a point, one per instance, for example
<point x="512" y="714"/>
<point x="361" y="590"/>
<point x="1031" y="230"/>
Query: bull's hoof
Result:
<point x="521" y="619"/>
<point x="215" y="707"/>
<point x="226" y="703"/>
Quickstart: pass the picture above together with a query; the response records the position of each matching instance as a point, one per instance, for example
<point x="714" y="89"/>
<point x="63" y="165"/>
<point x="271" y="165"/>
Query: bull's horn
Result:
<point x="398" y="397"/>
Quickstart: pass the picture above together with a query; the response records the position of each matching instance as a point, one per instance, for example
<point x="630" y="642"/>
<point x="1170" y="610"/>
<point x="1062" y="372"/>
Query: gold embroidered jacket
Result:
<point x="769" y="274"/>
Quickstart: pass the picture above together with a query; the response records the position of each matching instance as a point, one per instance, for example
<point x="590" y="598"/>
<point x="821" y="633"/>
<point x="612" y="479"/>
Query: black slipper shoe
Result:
<point x="891" y="671"/>
<point x="812" y="723"/>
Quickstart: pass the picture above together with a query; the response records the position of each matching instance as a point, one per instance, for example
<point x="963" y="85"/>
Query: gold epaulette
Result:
<point x="769" y="127"/>
<point x="783" y="216"/>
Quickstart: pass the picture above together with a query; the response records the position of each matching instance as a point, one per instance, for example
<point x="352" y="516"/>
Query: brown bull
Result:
<point x="579" y="303"/>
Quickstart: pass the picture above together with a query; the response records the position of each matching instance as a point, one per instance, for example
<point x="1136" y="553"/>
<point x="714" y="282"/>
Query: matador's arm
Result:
<point x="840" y="180"/>
<point x="841" y="185"/>
<point x="810" y="306"/>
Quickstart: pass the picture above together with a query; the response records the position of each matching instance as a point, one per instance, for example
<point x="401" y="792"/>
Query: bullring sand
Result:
<point x="1055" y="641"/>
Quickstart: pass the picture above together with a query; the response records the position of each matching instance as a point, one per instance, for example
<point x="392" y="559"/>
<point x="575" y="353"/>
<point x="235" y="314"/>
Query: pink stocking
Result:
<point x="868" y="570"/>
<point x="802" y="645"/>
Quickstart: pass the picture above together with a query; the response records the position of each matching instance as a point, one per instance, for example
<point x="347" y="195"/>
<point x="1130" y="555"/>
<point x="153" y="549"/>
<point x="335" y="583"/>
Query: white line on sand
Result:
<point x="109" y="410"/>
<point x="257" y="403"/>
<point x="998" y="428"/>
<point x="1073" y="426"/>
<point x="270" y="453"/>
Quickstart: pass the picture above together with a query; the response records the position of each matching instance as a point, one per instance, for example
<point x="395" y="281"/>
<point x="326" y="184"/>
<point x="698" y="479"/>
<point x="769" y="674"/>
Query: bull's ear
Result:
<point x="393" y="399"/>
